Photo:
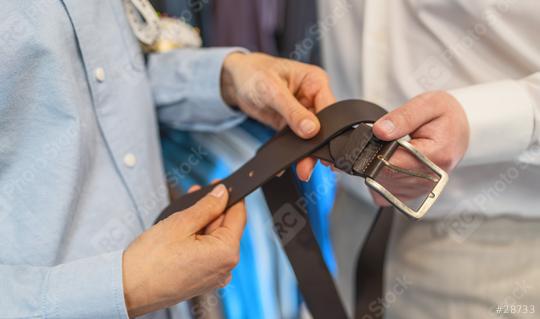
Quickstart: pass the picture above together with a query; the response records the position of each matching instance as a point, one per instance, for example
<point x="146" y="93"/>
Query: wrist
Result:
<point x="134" y="296"/>
<point x="228" y="87"/>
<point x="139" y="295"/>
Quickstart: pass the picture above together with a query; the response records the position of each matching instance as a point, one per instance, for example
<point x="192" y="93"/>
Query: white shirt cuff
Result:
<point x="501" y="120"/>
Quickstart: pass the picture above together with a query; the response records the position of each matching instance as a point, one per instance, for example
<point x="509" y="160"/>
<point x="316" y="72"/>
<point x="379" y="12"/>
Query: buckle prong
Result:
<point x="405" y="171"/>
<point x="440" y="182"/>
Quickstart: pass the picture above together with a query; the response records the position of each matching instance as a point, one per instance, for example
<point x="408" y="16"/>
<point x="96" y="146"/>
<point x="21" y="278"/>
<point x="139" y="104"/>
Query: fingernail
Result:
<point x="307" y="126"/>
<point x="218" y="191"/>
<point x="387" y="126"/>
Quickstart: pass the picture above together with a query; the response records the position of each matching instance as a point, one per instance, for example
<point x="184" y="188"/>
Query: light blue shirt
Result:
<point x="80" y="168"/>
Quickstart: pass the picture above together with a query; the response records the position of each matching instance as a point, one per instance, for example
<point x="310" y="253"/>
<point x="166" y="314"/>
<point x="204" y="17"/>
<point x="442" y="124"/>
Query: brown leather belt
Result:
<point x="345" y="140"/>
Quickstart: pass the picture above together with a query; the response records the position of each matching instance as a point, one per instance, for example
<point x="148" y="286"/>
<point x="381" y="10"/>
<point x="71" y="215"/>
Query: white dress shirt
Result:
<point x="486" y="53"/>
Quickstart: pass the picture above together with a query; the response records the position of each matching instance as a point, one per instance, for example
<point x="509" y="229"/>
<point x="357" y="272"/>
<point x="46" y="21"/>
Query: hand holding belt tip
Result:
<point x="345" y="140"/>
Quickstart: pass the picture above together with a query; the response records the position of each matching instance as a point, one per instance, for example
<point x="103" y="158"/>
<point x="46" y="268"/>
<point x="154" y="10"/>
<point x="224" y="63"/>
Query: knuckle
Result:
<point x="234" y="260"/>
<point x="444" y="161"/>
<point x="277" y="121"/>
<point x="176" y="221"/>
<point x="277" y="94"/>
<point x="225" y="280"/>
<point x="264" y="76"/>
<point x="211" y="203"/>
<point x="406" y="115"/>
<point x="425" y="98"/>
<point x="324" y="76"/>
<point x="316" y="77"/>
<point x="176" y="218"/>
<point x="296" y="114"/>
<point x="231" y="258"/>
<point x="319" y="71"/>
<point x="258" y="81"/>
<point x="268" y="90"/>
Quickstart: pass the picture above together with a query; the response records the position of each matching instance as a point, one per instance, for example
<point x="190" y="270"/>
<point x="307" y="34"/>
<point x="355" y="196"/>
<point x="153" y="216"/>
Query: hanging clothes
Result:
<point x="298" y="37"/>
<point x="252" y="24"/>
<point x="263" y="284"/>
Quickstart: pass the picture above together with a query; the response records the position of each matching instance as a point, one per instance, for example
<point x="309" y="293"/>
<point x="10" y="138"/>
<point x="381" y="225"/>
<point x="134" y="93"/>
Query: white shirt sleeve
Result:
<point x="503" y="118"/>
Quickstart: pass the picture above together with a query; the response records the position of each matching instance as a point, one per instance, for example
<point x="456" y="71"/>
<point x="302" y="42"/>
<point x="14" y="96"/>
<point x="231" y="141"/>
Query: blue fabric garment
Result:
<point x="80" y="167"/>
<point x="320" y="193"/>
<point x="263" y="284"/>
<point x="187" y="162"/>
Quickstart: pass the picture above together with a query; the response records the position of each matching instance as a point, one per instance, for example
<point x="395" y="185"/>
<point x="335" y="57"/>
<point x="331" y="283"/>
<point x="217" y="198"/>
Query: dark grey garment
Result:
<point x="252" y="24"/>
<point x="277" y="27"/>
<point x="298" y="37"/>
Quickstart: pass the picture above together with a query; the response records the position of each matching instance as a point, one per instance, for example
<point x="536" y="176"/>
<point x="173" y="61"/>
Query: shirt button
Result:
<point x="100" y="74"/>
<point x="130" y="160"/>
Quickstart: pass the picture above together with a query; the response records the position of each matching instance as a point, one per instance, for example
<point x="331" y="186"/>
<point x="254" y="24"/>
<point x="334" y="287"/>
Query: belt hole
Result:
<point x="230" y="189"/>
<point x="251" y="173"/>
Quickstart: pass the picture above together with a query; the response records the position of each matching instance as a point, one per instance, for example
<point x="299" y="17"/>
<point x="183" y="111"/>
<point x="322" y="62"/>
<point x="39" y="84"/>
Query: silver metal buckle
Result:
<point x="440" y="183"/>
